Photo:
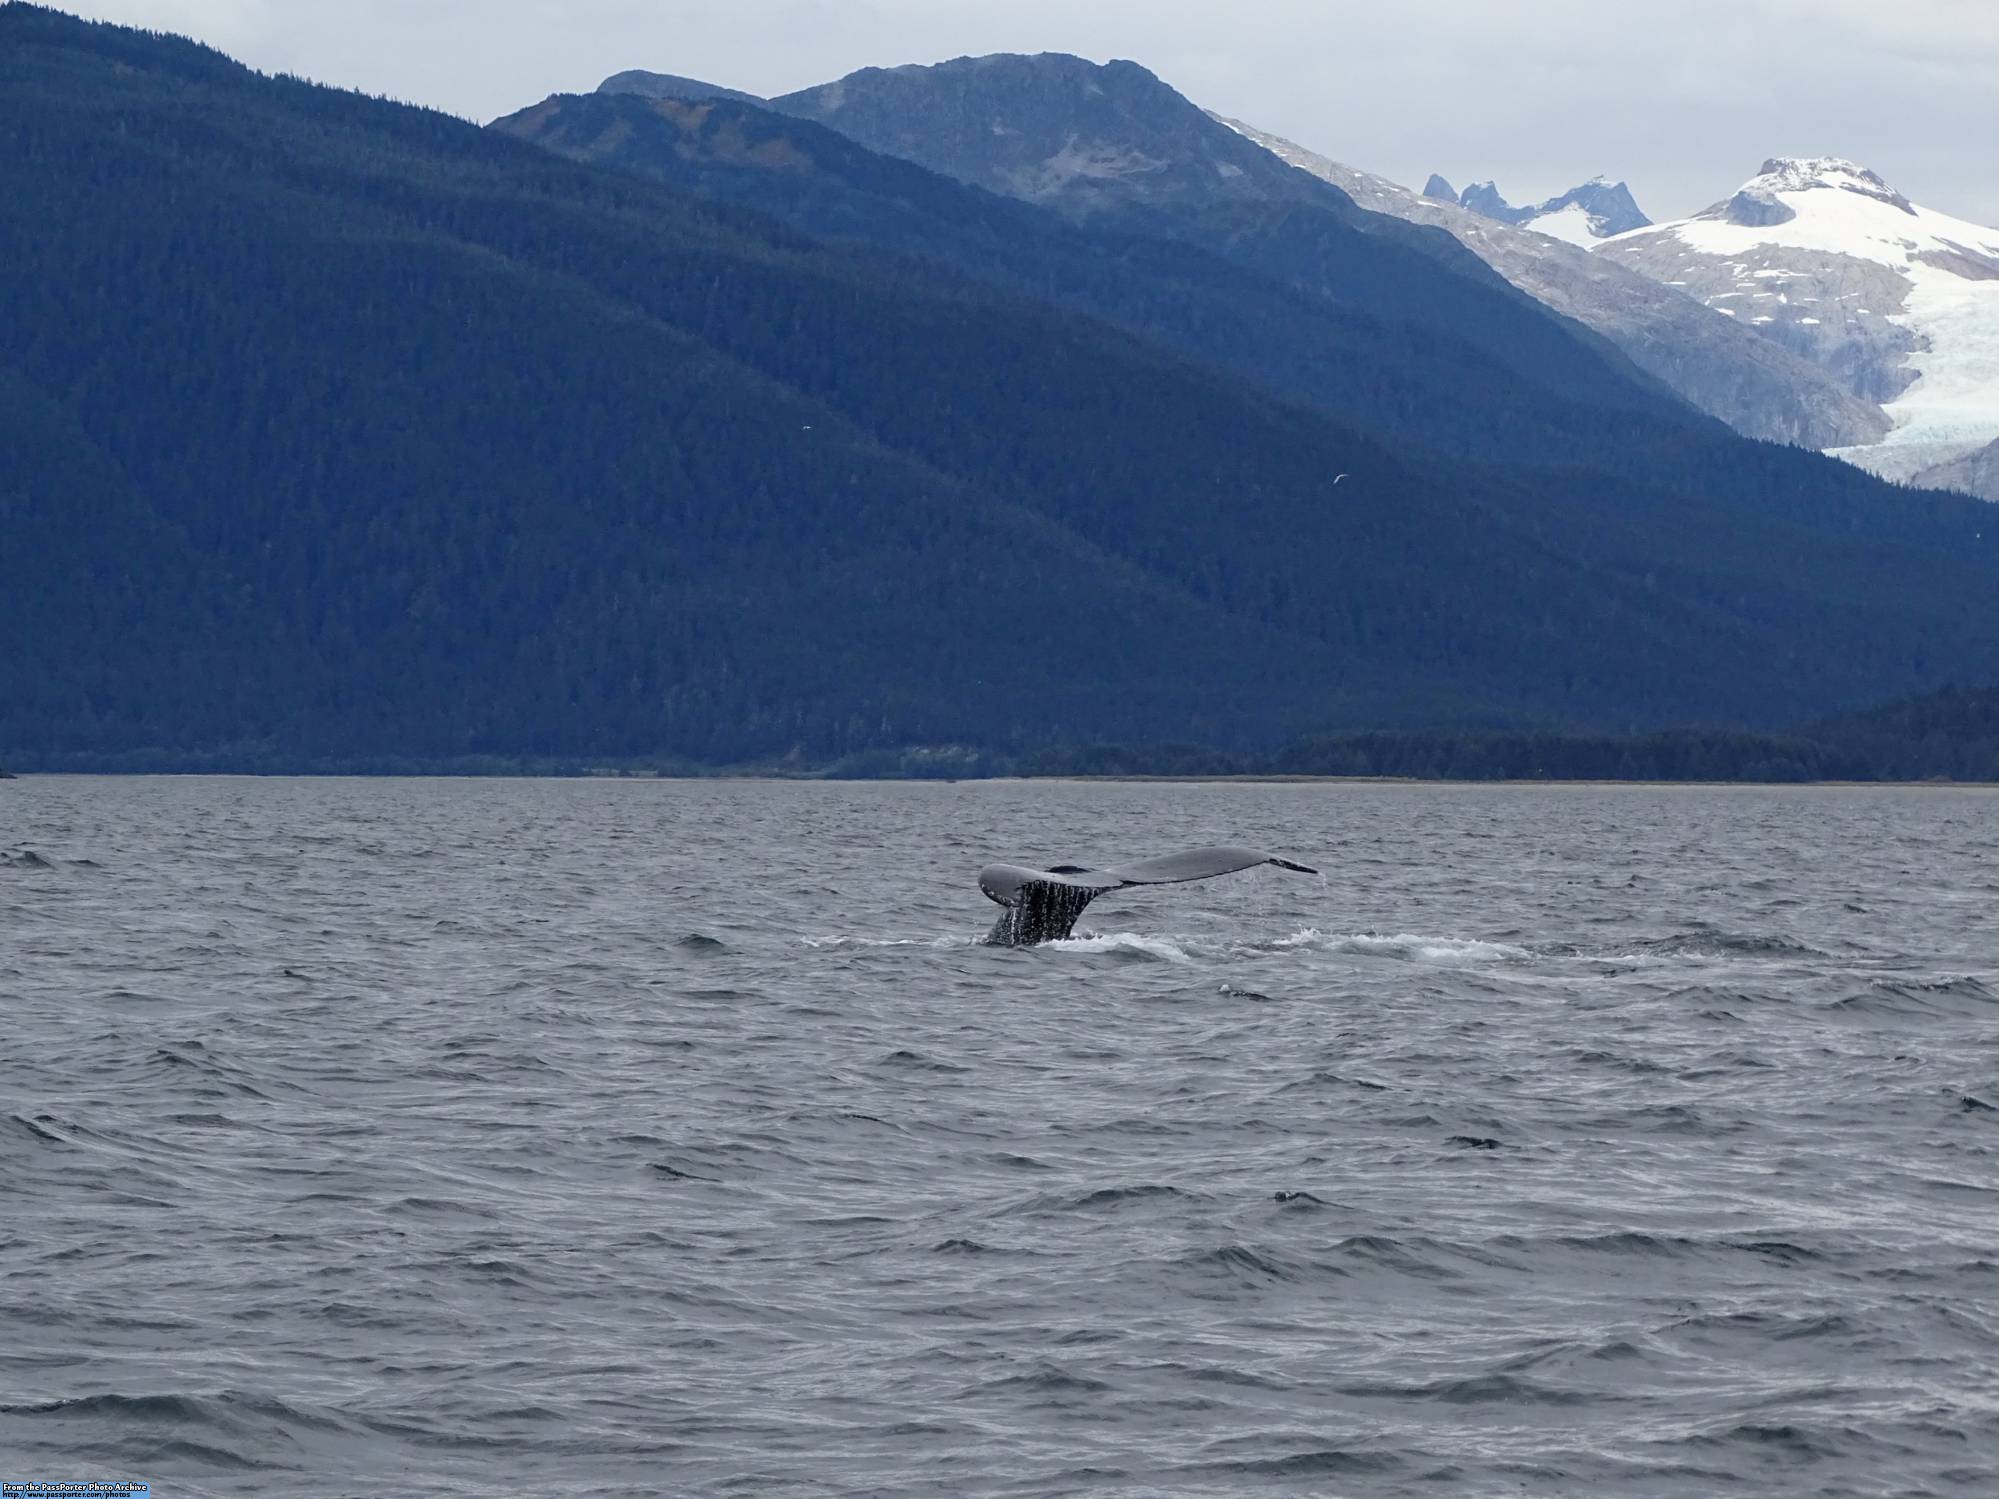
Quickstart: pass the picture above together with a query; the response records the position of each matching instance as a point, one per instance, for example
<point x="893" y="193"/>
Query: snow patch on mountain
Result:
<point x="1571" y="223"/>
<point x="1596" y="210"/>
<point x="1717" y="364"/>
<point x="1899" y="300"/>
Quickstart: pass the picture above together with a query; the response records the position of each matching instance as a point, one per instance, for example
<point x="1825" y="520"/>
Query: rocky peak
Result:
<point x="1439" y="189"/>
<point x="1799" y="174"/>
<point x="1483" y="198"/>
<point x="1609" y="206"/>
<point x="1050" y="128"/>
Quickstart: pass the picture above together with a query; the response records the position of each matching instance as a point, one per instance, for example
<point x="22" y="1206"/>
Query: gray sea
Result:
<point x="632" y="1137"/>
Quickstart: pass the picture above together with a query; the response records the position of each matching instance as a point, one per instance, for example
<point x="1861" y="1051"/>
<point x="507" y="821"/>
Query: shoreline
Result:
<point x="820" y="778"/>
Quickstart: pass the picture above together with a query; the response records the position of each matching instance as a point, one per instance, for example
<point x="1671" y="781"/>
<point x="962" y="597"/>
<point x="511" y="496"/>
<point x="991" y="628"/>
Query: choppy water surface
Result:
<point x="578" y="1137"/>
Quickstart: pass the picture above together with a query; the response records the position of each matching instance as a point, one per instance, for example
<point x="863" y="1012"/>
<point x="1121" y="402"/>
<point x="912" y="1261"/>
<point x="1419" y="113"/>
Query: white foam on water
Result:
<point x="1158" y="947"/>
<point x="846" y="940"/>
<point x="1408" y="946"/>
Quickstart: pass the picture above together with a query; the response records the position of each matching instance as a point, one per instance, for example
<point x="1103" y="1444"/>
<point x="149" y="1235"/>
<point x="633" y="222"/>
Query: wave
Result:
<point x="195" y="1058"/>
<point x="222" y="1431"/>
<point x="1665" y="1119"/>
<point x="1131" y="946"/>
<point x="1103" y="1199"/>
<point x="1703" y="943"/>
<point x="1240" y="1262"/>
<point x="674" y="1173"/>
<point x="843" y="939"/>
<point x="1316" y="1462"/>
<point x="1045" y="1379"/>
<point x="1325" y="1077"/>
<point x="38" y="1128"/>
<point x="1770" y="1326"/>
<point x="1958" y="995"/>
<point x="1788" y="1440"/>
<point x="1407" y="946"/>
<point x="916" y="1061"/>
<point x="1479" y="1389"/>
<point x="1415" y="1255"/>
<point x="1632" y="1242"/>
<point x="1188" y="947"/>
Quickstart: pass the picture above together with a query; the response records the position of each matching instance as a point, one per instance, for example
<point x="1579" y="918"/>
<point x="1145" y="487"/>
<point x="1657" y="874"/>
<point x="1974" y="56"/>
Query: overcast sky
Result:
<point x="1682" y="100"/>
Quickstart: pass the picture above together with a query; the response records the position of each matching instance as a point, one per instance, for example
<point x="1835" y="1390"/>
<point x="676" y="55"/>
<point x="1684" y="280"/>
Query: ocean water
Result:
<point x="580" y="1138"/>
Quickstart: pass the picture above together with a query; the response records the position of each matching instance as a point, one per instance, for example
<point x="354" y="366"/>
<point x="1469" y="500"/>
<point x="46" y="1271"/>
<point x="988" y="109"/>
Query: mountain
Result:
<point x="1710" y="360"/>
<point x="670" y="86"/>
<point x="1195" y="300"/>
<point x="1897" y="301"/>
<point x="1115" y="148"/>
<point x="1415" y="385"/>
<point x="1053" y="129"/>
<point x="947" y="115"/>
<point x="1975" y="473"/>
<point x="345" y="432"/>
<point x="1596" y="210"/>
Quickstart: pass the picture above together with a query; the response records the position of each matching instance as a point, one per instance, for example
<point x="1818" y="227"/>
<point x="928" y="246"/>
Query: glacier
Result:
<point x="1900" y="300"/>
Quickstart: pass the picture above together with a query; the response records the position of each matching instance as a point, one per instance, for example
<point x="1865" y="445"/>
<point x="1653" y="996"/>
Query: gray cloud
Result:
<point x="1684" y="101"/>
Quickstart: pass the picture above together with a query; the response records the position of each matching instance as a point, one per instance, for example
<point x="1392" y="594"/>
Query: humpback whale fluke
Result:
<point x="1042" y="904"/>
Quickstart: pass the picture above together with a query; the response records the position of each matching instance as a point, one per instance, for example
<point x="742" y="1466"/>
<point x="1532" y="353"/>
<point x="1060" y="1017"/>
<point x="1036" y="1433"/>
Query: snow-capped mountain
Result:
<point x="1899" y="302"/>
<point x="1712" y="361"/>
<point x="1596" y="210"/>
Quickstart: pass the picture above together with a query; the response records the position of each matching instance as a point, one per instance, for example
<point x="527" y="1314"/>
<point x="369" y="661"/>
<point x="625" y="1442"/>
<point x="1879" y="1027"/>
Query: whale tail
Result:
<point x="1042" y="905"/>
